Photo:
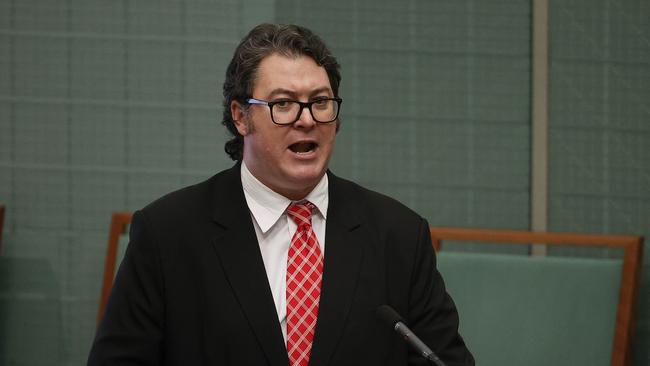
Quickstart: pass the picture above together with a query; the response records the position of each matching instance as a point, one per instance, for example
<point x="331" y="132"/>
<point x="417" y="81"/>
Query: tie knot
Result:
<point x="300" y="213"/>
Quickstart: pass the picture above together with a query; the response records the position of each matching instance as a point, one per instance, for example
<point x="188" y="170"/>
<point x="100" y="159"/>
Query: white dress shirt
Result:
<point x="274" y="230"/>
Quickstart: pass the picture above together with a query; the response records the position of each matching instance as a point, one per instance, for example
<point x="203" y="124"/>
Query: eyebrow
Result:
<point x="293" y="94"/>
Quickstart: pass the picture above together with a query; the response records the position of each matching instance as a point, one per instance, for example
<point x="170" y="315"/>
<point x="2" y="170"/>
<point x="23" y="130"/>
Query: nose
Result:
<point x="305" y="119"/>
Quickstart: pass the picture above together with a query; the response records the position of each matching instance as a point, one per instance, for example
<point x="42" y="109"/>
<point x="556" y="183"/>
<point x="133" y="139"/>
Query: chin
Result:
<point x="307" y="175"/>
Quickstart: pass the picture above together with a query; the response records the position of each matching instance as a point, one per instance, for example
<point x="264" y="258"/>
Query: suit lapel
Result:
<point x="239" y="254"/>
<point x="343" y="254"/>
<point x="242" y="262"/>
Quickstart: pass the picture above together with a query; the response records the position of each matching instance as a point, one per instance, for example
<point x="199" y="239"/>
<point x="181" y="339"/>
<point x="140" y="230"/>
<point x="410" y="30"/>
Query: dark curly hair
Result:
<point x="261" y="41"/>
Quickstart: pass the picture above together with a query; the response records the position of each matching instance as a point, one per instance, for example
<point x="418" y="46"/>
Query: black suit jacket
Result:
<point x="192" y="289"/>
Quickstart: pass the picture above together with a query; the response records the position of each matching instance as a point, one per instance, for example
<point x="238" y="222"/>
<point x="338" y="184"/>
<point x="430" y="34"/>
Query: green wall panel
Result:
<point x="105" y="106"/>
<point x="599" y="135"/>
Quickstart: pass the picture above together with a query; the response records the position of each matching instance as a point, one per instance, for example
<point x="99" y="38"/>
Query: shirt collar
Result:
<point x="267" y="206"/>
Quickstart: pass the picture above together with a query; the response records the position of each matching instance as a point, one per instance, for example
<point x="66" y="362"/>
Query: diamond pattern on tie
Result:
<point x="304" y="274"/>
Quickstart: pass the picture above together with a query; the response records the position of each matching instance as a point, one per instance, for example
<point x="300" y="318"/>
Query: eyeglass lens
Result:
<point x="286" y="112"/>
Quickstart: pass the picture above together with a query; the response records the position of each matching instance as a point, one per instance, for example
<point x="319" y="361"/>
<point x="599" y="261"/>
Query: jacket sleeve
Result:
<point x="432" y="314"/>
<point x="132" y="328"/>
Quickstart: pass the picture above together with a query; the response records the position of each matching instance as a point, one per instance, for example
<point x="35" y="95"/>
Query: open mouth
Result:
<point x="303" y="147"/>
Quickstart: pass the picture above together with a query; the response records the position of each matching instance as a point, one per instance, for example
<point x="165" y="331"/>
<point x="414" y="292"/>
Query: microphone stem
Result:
<point x="433" y="358"/>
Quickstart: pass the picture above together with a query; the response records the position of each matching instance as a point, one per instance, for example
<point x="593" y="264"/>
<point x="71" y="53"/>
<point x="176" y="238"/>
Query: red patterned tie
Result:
<point x="304" y="273"/>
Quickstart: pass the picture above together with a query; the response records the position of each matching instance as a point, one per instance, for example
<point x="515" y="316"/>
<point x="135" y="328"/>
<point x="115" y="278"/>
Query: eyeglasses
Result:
<point x="286" y="112"/>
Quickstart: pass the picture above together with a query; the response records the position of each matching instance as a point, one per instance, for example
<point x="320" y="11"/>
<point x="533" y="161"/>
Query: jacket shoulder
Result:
<point x="193" y="201"/>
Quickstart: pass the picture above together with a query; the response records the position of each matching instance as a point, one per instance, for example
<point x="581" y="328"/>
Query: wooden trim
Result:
<point x="119" y="223"/>
<point x="626" y="314"/>
<point x="633" y="254"/>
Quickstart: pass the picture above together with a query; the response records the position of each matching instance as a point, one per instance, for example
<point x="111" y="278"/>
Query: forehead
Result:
<point x="292" y="74"/>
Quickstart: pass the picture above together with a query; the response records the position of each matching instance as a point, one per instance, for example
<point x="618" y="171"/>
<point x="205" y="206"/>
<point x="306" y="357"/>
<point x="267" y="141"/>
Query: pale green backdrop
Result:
<point x="106" y="105"/>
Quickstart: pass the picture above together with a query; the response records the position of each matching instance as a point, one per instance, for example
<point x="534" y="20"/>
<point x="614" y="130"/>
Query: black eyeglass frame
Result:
<point x="303" y="105"/>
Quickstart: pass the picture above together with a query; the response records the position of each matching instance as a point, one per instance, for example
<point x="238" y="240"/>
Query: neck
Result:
<point x="294" y="193"/>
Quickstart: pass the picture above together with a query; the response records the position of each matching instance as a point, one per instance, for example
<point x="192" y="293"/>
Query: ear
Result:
<point x="239" y="117"/>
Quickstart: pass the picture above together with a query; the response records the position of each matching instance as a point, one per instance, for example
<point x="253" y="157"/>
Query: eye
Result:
<point x="321" y="103"/>
<point x="283" y="105"/>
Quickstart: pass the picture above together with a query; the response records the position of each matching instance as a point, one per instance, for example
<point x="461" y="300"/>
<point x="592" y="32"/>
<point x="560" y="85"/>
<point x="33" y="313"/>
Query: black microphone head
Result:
<point x="388" y="315"/>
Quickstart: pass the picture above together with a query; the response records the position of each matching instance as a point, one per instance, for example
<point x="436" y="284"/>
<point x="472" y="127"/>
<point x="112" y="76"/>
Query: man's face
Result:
<point x="290" y="159"/>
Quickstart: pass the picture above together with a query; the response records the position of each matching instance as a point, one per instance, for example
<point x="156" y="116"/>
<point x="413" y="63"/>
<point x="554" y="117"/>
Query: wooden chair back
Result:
<point x="119" y="223"/>
<point x="631" y="265"/>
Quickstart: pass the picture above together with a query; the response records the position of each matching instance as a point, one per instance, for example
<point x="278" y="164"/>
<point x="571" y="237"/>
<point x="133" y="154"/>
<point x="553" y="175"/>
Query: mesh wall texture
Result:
<point x="599" y="128"/>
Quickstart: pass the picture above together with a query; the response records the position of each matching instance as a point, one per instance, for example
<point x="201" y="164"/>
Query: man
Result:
<point x="277" y="261"/>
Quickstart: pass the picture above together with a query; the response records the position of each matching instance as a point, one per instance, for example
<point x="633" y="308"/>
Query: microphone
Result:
<point x="390" y="316"/>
